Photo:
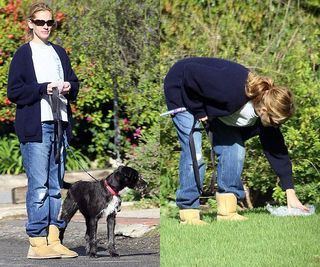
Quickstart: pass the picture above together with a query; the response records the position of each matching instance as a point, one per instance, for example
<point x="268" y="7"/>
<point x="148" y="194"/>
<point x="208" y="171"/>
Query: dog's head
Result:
<point x="129" y="177"/>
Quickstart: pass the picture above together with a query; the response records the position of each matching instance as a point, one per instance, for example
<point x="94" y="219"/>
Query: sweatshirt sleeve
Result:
<point x="277" y="154"/>
<point x="19" y="91"/>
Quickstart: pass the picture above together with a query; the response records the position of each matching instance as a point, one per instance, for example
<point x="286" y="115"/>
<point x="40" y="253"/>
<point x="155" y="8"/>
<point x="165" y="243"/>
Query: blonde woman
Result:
<point x="238" y="105"/>
<point x="36" y="68"/>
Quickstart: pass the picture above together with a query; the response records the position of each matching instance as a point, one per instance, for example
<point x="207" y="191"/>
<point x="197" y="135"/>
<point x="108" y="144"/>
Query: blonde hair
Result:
<point x="277" y="100"/>
<point x="34" y="8"/>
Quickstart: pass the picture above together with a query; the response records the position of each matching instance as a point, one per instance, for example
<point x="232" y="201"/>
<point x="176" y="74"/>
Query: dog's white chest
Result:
<point x="113" y="207"/>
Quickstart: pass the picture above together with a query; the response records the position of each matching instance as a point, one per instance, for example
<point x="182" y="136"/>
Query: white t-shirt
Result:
<point x="245" y="116"/>
<point x="48" y="68"/>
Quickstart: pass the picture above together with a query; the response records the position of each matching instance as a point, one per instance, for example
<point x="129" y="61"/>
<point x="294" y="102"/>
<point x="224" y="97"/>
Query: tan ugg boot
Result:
<point x="55" y="244"/>
<point x="191" y="216"/>
<point x="39" y="249"/>
<point x="227" y="207"/>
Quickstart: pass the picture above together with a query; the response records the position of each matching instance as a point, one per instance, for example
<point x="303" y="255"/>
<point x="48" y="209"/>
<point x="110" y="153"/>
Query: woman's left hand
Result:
<point x="66" y="88"/>
<point x="293" y="201"/>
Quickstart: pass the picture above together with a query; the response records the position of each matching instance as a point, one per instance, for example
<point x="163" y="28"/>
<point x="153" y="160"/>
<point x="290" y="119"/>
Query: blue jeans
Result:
<point x="45" y="179"/>
<point x="228" y="145"/>
<point x="187" y="195"/>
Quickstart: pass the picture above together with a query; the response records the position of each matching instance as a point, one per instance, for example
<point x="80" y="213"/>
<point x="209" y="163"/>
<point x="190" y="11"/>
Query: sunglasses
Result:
<point x="40" y="22"/>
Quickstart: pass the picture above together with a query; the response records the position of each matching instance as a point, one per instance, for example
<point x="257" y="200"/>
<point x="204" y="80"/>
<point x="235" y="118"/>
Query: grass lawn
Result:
<point x="263" y="240"/>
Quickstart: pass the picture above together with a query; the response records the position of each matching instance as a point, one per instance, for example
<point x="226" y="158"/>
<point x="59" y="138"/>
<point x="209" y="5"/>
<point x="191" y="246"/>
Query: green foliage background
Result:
<point x="114" y="49"/>
<point x="275" y="38"/>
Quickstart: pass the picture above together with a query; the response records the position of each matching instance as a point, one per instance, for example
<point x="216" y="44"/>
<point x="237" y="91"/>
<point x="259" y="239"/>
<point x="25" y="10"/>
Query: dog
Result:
<point x="94" y="199"/>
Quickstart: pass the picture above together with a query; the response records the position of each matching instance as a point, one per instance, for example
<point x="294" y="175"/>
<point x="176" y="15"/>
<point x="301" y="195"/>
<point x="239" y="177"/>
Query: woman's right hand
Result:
<point x="293" y="201"/>
<point x="49" y="88"/>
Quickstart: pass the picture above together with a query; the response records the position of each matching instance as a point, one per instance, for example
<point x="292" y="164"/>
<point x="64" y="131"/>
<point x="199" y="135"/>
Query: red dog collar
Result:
<point x="108" y="187"/>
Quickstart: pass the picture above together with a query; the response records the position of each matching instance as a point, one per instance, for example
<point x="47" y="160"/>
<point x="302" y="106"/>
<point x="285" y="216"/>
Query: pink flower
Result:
<point x="137" y="133"/>
<point x="88" y="119"/>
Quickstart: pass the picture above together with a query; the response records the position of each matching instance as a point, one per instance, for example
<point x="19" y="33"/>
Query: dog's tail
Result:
<point x="66" y="185"/>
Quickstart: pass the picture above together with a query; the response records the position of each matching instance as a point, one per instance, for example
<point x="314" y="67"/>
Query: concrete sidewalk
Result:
<point x="136" y="244"/>
<point x="131" y="221"/>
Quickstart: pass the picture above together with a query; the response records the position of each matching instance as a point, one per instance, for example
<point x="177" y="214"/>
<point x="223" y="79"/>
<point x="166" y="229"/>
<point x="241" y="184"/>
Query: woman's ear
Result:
<point x="30" y="24"/>
<point x="263" y="110"/>
<point x="260" y="110"/>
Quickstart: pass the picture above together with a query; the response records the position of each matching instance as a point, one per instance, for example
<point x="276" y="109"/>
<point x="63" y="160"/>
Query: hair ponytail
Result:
<point x="256" y="85"/>
<point x="277" y="100"/>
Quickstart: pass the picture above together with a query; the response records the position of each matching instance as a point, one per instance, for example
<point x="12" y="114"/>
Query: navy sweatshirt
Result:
<point x="24" y="90"/>
<point x="216" y="87"/>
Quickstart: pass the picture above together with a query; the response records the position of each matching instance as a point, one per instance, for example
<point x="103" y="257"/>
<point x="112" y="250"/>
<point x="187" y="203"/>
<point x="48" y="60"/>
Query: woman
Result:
<point x="37" y="68"/>
<point x="237" y="104"/>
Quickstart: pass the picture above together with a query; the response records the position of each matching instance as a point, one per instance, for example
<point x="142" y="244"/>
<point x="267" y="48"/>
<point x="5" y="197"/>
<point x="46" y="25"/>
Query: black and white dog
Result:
<point x="94" y="199"/>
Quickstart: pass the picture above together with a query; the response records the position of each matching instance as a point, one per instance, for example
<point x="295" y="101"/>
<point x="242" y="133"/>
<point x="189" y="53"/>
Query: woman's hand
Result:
<point x="66" y="88"/>
<point x="293" y="201"/>
<point x="203" y="119"/>
<point x="49" y="88"/>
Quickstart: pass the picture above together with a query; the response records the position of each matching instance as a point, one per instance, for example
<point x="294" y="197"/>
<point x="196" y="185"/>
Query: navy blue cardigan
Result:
<point x="24" y="90"/>
<point x="216" y="87"/>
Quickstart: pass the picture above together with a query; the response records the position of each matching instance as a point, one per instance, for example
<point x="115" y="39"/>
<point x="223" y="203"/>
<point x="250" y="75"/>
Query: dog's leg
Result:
<point x="91" y="236"/>
<point x="69" y="208"/>
<point x="111" y="222"/>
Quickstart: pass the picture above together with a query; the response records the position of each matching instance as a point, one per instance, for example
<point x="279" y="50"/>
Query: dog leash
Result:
<point x="106" y="185"/>
<point x="80" y="165"/>
<point x="193" y="150"/>
<point x="194" y="156"/>
<point x="195" y="161"/>
<point x="54" y="102"/>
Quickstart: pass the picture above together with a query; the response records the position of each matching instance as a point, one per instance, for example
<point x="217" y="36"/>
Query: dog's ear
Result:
<point x="130" y="176"/>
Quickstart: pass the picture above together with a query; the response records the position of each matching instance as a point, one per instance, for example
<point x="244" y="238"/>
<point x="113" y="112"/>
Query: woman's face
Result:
<point x="41" y="33"/>
<point x="265" y="118"/>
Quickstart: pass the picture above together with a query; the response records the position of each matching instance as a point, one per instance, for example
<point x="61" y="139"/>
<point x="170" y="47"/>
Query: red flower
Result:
<point x="60" y="16"/>
<point x="126" y="124"/>
<point x="7" y="101"/>
<point x="10" y="8"/>
<point x="23" y="25"/>
<point x="10" y="36"/>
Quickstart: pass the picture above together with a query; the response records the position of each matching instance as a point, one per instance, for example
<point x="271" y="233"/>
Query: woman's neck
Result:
<point x="39" y="41"/>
